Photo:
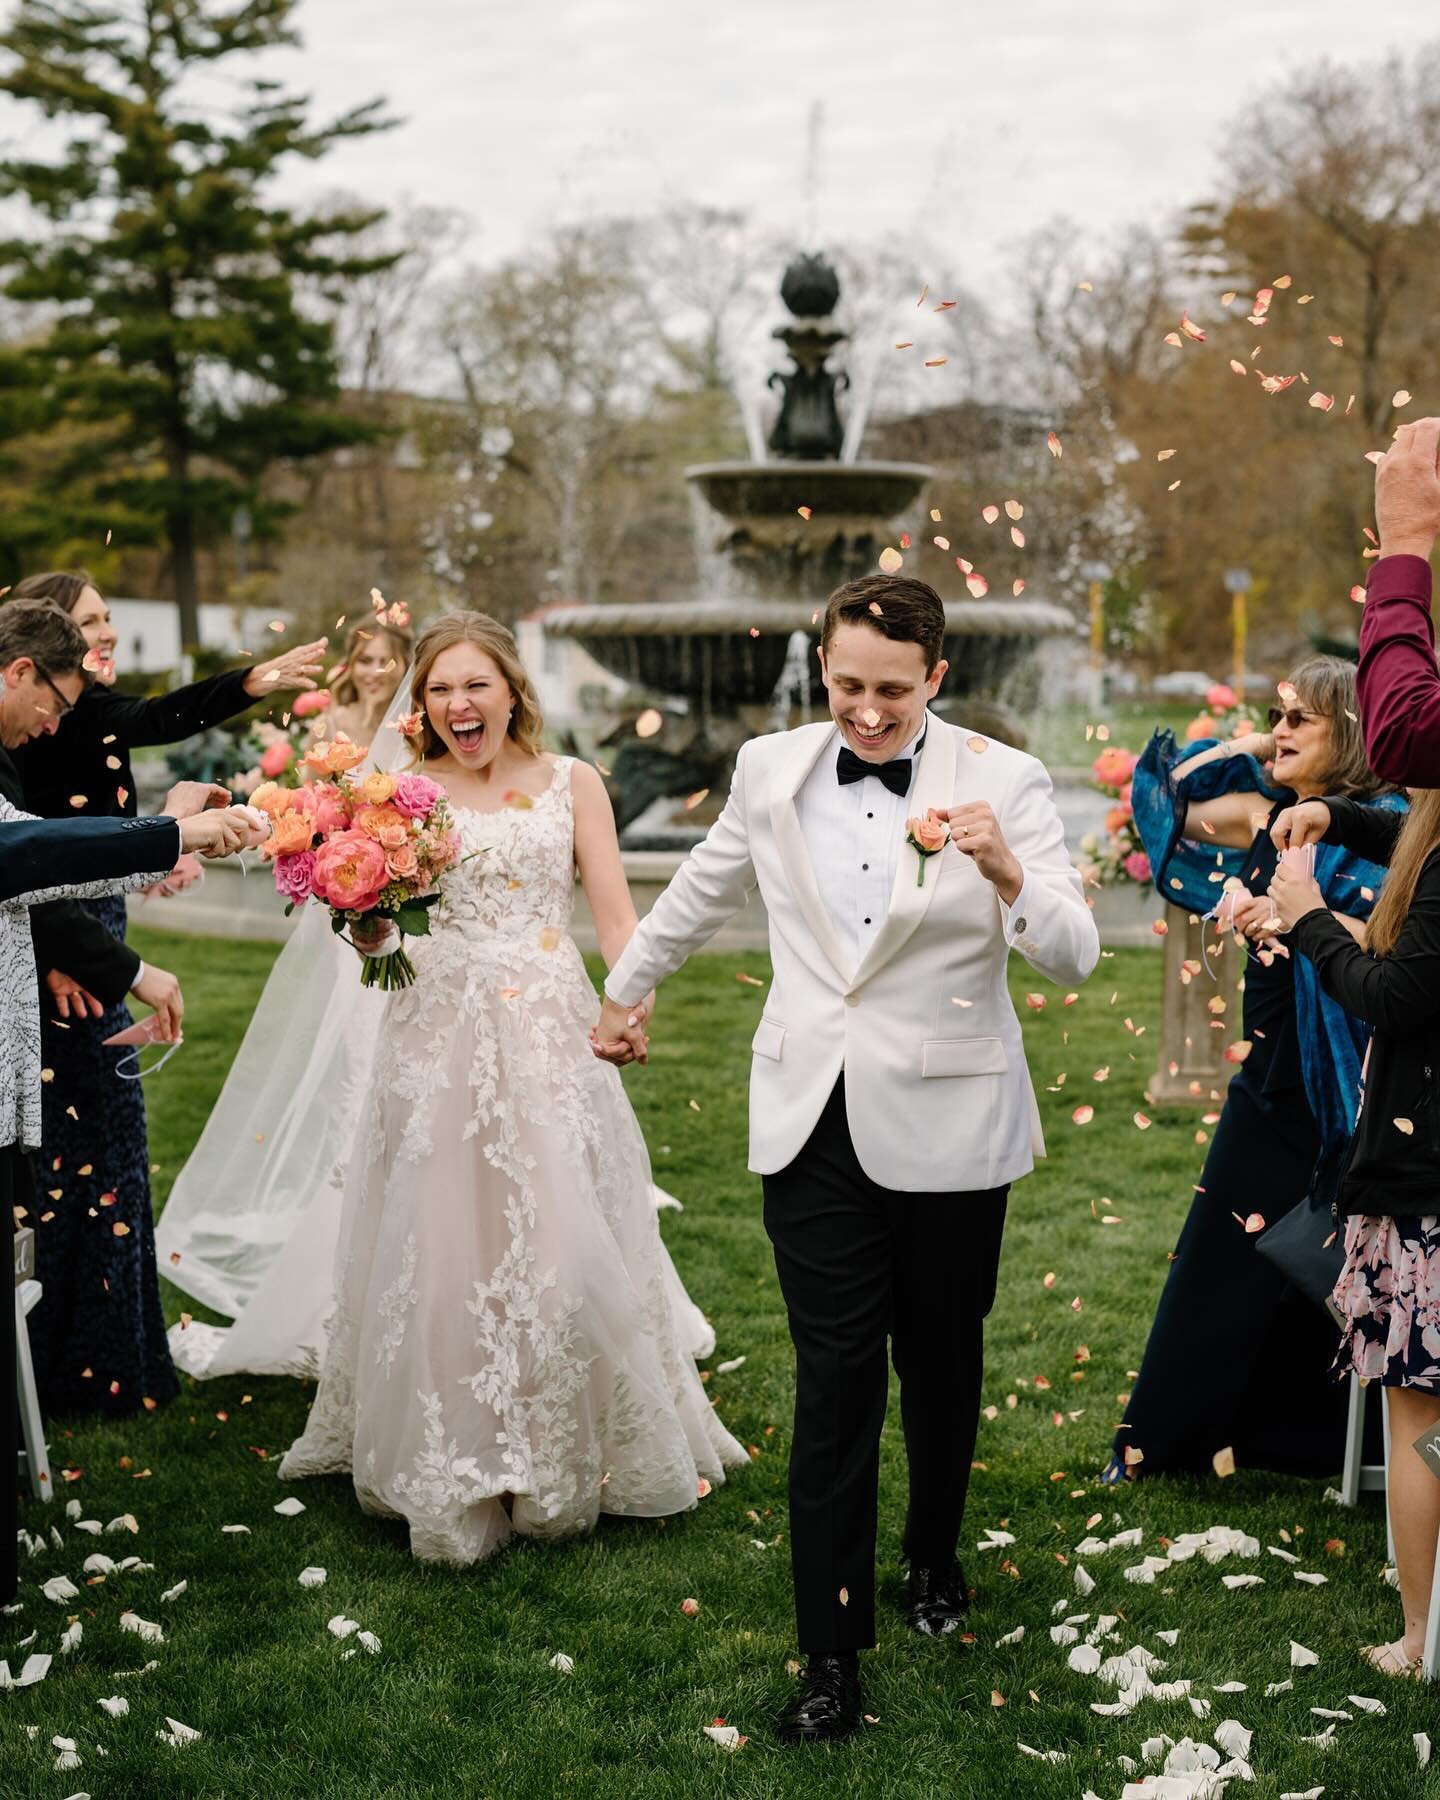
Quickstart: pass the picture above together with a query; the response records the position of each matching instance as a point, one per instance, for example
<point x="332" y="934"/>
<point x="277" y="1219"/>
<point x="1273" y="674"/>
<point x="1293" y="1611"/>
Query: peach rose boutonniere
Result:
<point x="927" y="837"/>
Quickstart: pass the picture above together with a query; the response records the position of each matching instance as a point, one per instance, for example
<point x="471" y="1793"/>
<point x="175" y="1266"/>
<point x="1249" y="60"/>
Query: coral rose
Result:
<point x="929" y="833"/>
<point x="1116" y="819"/>
<point x="346" y="755"/>
<point x="295" y="876"/>
<point x="293" y="832"/>
<point x="376" y="787"/>
<point x="1113" y="767"/>
<point x="306" y="705"/>
<point x="328" y="809"/>
<point x="277" y="759"/>
<point x="402" y="863"/>
<point x="350" y="871"/>
<point x="416" y="795"/>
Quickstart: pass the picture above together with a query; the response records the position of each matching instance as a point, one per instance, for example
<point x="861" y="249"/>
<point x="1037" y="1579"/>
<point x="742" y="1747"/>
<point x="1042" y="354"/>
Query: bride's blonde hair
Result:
<point x="527" y="724"/>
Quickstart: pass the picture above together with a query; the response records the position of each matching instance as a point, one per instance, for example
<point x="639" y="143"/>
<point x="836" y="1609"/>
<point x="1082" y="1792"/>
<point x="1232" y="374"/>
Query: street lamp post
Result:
<point x="1237" y="583"/>
<point x="1097" y="574"/>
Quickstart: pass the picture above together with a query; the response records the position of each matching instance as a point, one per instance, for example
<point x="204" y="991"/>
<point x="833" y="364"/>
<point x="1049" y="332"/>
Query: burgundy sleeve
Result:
<point x="1398" y="682"/>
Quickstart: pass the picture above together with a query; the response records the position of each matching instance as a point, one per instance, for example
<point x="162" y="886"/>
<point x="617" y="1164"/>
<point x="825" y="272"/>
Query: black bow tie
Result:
<point x="895" y="773"/>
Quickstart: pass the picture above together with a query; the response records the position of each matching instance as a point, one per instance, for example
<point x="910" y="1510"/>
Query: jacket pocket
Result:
<point x="963" y="1056"/>
<point x="769" y="1039"/>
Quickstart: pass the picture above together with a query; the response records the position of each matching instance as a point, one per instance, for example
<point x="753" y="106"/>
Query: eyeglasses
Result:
<point x="64" y="705"/>
<point x="1293" y="716"/>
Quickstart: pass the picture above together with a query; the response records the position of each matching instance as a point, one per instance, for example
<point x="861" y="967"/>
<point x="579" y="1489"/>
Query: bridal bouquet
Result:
<point x="371" y="847"/>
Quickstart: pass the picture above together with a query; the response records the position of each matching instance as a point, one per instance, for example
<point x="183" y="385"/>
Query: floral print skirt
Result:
<point x="1389" y="1297"/>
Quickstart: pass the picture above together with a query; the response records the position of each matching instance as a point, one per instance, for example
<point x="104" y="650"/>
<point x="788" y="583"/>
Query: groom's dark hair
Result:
<point x="898" y="606"/>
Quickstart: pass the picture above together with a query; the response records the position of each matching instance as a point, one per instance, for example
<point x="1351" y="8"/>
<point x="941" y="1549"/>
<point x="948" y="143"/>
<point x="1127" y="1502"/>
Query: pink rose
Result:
<point x="329" y="812"/>
<point x="306" y="705"/>
<point x="277" y="759"/>
<point x="928" y="834"/>
<point x="402" y="863"/>
<point x="1220" y="697"/>
<point x="1113" y="766"/>
<point x="349" y="871"/>
<point x="415" y="795"/>
<point x="1137" y="866"/>
<point x="295" y="876"/>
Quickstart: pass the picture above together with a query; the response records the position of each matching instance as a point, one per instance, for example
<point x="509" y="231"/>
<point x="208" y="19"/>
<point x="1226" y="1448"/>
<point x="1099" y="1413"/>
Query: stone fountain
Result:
<point x="773" y="539"/>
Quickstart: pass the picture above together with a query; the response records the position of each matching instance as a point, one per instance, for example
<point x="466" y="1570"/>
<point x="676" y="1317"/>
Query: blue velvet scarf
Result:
<point x="1332" y="1043"/>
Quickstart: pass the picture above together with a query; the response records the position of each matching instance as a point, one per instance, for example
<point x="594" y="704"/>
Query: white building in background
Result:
<point x="148" y="631"/>
<point x="575" y="693"/>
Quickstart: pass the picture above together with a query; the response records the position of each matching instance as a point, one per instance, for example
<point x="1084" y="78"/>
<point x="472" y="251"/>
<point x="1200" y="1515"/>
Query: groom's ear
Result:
<point x="935" y="677"/>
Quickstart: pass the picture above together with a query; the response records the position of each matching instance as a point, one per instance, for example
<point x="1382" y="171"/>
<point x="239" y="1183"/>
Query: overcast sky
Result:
<point x="970" y="122"/>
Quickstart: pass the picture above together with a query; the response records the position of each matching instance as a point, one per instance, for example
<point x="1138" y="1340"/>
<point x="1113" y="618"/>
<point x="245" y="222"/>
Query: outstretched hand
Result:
<point x="1407" y="491"/>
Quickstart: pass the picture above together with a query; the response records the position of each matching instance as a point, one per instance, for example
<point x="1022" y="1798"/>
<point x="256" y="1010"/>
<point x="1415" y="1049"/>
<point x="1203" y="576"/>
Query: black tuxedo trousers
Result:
<point x="865" y="1270"/>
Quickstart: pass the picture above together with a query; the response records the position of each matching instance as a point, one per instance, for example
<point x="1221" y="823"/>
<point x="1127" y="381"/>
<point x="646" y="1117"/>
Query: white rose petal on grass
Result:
<point x="1322" y="1739"/>
<point x="729" y="1368"/>
<point x="1011" y="1637"/>
<point x="1308" y="1794"/>
<point x="1233" y="1738"/>
<point x="1234" y="1582"/>
<point x="1284" y="1555"/>
<point x="1421" y="1741"/>
<point x="175" y="1592"/>
<point x="125" y="1522"/>
<point x="1084" y="1659"/>
<point x="1168" y="1637"/>
<point x="178" y="1734"/>
<point x="341" y="1627"/>
<point x="36" y="1668"/>
<point x="60" y="1588"/>
<point x="1278" y="1687"/>
<point x="1310" y="1578"/>
<point x="289" y="1508"/>
<point x="1201" y="1708"/>
<point x="1064" y="1634"/>
<point x="1084" y="1583"/>
<point x="70" y="1637"/>
<point x="92" y="1527"/>
<point x="1377" y="1707"/>
<point x="1300" y="1657"/>
<point x="726" y="1736"/>
<point x="562" y="1664"/>
<point x="312" y="1577"/>
<point x="1330" y="1712"/>
<point x="368" y="1641"/>
<point x="1050" y="1756"/>
<point x="117" y="1706"/>
<point x="98" y="1564"/>
<point x="236" y="1530"/>
<point x="68" y="1758"/>
<point x="147" y="1631"/>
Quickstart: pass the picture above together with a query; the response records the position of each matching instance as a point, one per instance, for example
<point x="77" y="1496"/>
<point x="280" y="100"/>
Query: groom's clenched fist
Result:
<point x="975" y="830"/>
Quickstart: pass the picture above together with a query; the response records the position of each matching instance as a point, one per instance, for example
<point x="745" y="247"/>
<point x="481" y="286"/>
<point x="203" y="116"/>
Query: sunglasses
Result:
<point x="63" y="705"/>
<point x="1293" y="716"/>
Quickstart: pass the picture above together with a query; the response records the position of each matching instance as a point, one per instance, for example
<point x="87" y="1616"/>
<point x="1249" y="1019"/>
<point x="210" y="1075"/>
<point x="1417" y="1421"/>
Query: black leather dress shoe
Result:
<point x="938" y="1599"/>
<point x="827" y="1705"/>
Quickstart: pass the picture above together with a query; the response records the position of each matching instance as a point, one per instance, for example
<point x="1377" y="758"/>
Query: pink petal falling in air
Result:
<point x="1014" y="510"/>
<point x="979" y="587"/>
<point x="1357" y="594"/>
<point x="891" y="560"/>
<point x="1082" y="1115"/>
<point x="1017" y="587"/>
<point x="989" y="514"/>
<point x="1053" y="444"/>
<point x="1321" y="402"/>
<point x="1401" y="397"/>
<point x="805" y="512"/>
<point x="1174" y="339"/>
<point x="1191" y="329"/>
<point x="1017" y="537"/>
<point x="1338" y="342"/>
<point x="1238" y="367"/>
<point x="1163" y="455"/>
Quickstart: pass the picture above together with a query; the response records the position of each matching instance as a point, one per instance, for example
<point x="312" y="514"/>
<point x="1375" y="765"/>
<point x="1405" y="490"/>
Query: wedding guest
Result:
<point x="363" y="683"/>
<point x="1249" y="1375"/>
<point x="41" y="862"/>
<point x="1398" y="684"/>
<point x="99" y="1332"/>
<point x="1389" y="1190"/>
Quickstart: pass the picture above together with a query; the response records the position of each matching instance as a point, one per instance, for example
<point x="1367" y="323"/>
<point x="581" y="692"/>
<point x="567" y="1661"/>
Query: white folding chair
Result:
<point x="1357" y="1476"/>
<point x="34" y="1459"/>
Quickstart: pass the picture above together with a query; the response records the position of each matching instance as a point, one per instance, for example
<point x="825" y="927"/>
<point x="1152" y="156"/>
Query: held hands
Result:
<point x="295" y="669"/>
<point x="975" y="831"/>
<point x="1299" y="825"/>
<point x="217" y="834"/>
<point x="619" y="1035"/>
<point x="1254" y="916"/>
<point x="1407" y="491"/>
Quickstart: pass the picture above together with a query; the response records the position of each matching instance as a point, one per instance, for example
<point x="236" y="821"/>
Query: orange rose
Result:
<point x="346" y="755"/>
<point x="372" y="820"/>
<point x="929" y="834"/>
<point x="273" y="799"/>
<point x="1115" y="819"/>
<point x="377" y="787"/>
<point x="293" y="832"/>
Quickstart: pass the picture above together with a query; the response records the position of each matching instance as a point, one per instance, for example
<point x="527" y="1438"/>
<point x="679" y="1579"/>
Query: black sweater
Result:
<point x="1393" y="1162"/>
<point x="74" y="763"/>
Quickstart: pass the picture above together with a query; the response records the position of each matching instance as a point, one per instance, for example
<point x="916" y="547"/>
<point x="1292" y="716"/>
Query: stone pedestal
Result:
<point x="1193" y="1034"/>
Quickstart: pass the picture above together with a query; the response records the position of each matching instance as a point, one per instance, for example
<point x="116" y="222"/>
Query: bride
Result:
<point x="503" y="1353"/>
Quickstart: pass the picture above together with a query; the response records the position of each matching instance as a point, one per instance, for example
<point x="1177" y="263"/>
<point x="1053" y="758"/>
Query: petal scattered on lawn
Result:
<point x="562" y="1664"/>
<point x="312" y="1577"/>
<point x="726" y="1736"/>
<point x="1300" y="1657"/>
<point x="689" y="1608"/>
<point x="175" y="1592"/>
<point x="290" y="1508"/>
<point x="145" y="1629"/>
<point x="178" y="1734"/>
<point x="236" y="1530"/>
<point x="729" y="1368"/>
<point x="341" y="1627"/>
<point x="117" y="1706"/>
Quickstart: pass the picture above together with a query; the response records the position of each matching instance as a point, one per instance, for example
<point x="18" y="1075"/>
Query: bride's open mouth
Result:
<point x="470" y="735"/>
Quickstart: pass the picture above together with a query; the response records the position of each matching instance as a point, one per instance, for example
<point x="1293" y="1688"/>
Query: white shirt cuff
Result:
<point x="1015" y="919"/>
<point x="139" y="977"/>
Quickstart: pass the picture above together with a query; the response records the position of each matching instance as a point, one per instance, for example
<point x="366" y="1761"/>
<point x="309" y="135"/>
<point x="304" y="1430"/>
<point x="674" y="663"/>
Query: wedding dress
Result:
<point x="504" y="1352"/>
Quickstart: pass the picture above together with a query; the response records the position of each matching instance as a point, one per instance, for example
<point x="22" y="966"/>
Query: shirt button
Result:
<point x="869" y="815"/>
<point x="867" y="921"/>
<point x="852" y="999"/>
<point x="864" y="865"/>
<point x="1021" y="927"/>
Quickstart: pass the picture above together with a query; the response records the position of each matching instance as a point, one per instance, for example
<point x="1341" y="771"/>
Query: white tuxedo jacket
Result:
<point x="937" y="1093"/>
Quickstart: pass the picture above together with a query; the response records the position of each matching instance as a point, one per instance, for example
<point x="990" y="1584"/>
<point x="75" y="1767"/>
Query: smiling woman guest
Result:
<point x="363" y="682"/>
<point x="1238" y="1358"/>
<point x="99" y="1332"/>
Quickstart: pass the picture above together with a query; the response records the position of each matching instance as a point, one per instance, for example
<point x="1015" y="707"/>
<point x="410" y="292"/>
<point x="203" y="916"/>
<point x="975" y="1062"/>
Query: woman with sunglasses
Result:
<point x="1238" y="1359"/>
<point x="99" y="1332"/>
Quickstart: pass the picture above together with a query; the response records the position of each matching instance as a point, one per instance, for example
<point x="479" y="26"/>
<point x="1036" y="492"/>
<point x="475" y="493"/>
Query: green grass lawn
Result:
<point x="462" y="1701"/>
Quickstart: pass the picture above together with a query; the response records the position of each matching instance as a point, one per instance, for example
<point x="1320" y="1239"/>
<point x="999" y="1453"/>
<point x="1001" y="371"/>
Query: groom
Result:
<point x="890" y="1104"/>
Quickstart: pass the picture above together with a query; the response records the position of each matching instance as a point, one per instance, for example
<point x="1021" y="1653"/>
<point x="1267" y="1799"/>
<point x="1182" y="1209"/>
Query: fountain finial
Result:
<point x="809" y="425"/>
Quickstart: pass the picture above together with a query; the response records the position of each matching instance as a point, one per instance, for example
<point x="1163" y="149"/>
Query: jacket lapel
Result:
<point x="795" y="858"/>
<point x="909" y="902"/>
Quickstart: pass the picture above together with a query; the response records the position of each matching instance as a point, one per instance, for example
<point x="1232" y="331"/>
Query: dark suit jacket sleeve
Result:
<point x="36" y="854"/>
<point x="1370" y="831"/>
<point x="169" y="718"/>
<point x="1395" y="993"/>
<point x="1397" y="680"/>
<point x="67" y="937"/>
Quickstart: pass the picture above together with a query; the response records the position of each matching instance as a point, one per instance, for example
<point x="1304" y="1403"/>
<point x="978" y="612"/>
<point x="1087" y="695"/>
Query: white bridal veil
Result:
<point x="253" y="1222"/>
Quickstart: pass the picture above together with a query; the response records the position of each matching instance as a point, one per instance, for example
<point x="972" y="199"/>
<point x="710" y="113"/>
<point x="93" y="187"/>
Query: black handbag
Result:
<point x="1307" y="1246"/>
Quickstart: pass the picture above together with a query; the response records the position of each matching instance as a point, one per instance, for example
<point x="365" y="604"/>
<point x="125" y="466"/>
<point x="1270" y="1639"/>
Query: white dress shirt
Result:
<point x="854" y="835"/>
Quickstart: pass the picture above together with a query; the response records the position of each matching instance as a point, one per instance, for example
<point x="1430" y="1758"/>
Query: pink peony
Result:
<point x="277" y="759"/>
<point x="416" y="795"/>
<point x="1220" y="697"/>
<point x="1113" y="766"/>
<point x="295" y="876"/>
<point x="350" y="871"/>
<point x="313" y="701"/>
<point x="1137" y="866"/>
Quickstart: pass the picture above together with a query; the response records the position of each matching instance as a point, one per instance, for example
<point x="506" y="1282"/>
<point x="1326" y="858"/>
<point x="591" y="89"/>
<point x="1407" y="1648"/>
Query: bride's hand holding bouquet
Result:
<point x="372" y="847"/>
